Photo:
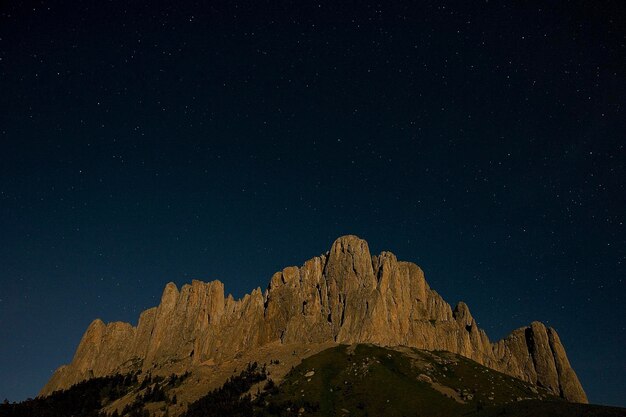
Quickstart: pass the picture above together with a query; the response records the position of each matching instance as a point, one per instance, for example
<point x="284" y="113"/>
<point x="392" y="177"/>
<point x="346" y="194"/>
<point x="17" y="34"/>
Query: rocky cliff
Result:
<point x="346" y="296"/>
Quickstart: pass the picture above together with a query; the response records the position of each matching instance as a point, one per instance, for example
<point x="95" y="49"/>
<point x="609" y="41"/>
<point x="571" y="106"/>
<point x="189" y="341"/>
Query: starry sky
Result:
<point x="147" y="142"/>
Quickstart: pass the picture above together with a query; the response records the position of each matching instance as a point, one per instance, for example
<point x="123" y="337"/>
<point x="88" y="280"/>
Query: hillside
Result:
<point x="367" y="380"/>
<point x="342" y="380"/>
<point x="371" y="380"/>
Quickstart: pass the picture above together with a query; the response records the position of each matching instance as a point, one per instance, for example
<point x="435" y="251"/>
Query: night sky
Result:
<point x="170" y="141"/>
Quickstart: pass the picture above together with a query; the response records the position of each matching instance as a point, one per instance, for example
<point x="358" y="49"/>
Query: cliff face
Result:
<point x="346" y="296"/>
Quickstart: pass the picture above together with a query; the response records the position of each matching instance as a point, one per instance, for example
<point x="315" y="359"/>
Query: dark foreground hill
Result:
<point x="344" y="380"/>
<point x="367" y="380"/>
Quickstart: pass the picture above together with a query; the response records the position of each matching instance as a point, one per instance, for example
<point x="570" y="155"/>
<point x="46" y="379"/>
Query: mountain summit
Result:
<point x="345" y="296"/>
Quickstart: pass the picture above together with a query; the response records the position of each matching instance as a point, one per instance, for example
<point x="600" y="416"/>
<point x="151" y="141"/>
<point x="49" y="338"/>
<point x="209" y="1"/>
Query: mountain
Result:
<point x="345" y="296"/>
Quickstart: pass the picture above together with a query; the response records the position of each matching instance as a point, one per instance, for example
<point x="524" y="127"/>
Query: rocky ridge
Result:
<point x="344" y="296"/>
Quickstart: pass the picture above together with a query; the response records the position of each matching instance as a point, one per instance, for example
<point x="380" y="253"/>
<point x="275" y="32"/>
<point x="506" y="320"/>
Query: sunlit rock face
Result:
<point x="346" y="295"/>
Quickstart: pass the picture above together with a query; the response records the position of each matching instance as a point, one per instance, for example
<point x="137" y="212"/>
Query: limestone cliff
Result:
<point x="346" y="296"/>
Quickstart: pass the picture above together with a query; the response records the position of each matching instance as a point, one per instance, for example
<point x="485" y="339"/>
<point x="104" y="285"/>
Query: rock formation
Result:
<point x="345" y="296"/>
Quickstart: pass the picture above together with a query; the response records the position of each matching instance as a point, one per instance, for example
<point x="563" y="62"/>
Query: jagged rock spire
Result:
<point x="346" y="296"/>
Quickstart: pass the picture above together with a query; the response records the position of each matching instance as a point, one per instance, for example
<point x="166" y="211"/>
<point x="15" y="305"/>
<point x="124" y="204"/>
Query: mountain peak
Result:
<point x="343" y="296"/>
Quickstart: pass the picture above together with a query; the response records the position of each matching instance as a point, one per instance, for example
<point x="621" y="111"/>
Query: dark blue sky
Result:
<point x="166" y="141"/>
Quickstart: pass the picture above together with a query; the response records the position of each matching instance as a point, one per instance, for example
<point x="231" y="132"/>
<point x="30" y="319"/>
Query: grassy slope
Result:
<point x="372" y="381"/>
<point x="553" y="409"/>
<point x="361" y="380"/>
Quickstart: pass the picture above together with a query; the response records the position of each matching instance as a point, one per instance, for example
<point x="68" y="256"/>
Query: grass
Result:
<point x="549" y="408"/>
<point x="372" y="381"/>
